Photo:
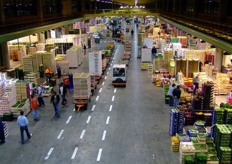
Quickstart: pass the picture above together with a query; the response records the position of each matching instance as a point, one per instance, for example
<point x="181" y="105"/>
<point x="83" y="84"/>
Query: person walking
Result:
<point x="63" y="91"/>
<point x="2" y="135"/>
<point x="132" y="32"/>
<point x="40" y="95"/>
<point x="170" y="90"/>
<point x="55" y="99"/>
<point x="34" y="107"/>
<point x="23" y="124"/>
<point x="176" y="95"/>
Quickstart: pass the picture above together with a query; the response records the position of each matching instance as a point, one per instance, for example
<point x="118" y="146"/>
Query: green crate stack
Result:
<point x="229" y="126"/>
<point x="189" y="159"/>
<point x="225" y="155"/>
<point x="222" y="136"/>
<point x="228" y="116"/>
<point x="219" y="116"/>
<point x="201" y="158"/>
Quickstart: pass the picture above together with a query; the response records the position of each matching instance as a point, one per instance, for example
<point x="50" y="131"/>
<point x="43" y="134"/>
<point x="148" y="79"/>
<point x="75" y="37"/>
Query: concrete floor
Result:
<point x="121" y="126"/>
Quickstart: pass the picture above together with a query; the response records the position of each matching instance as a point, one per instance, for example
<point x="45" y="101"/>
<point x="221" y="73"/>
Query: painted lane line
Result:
<point x="109" y="69"/>
<point x="100" y="90"/>
<point x="69" y="118"/>
<point x="104" y="135"/>
<point x="113" y="98"/>
<point x="107" y="120"/>
<point x="74" y="110"/>
<point x="107" y="73"/>
<point x="82" y="134"/>
<point x="49" y="153"/>
<point x="103" y="83"/>
<point x="88" y="119"/>
<point x="110" y="108"/>
<point x="60" y="134"/>
<point x="97" y="98"/>
<point x="99" y="154"/>
<point x="74" y="153"/>
<point x="105" y="77"/>
<point x="93" y="108"/>
<point x="115" y="90"/>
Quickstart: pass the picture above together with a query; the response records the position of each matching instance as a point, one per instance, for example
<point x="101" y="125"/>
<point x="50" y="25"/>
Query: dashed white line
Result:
<point x="97" y="98"/>
<point x="60" y="134"/>
<point x="104" y="135"/>
<point x="74" y="153"/>
<point x="105" y="77"/>
<point x="74" y="110"/>
<point x="69" y="118"/>
<point x="113" y="98"/>
<point x="100" y="90"/>
<point x="99" y="154"/>
<point x="93" y="108"/>
<point x="110" y="108"/>
<point x="109" y="69"/>
<point x="49" y="153"/>
<point x="103" y="83"/>
<point x="107" y="73"/>
<point x="82" y="134"/>
<point x="88" y="119"/>
<point x="107" y="120"/>
<point x="115" y="90"/>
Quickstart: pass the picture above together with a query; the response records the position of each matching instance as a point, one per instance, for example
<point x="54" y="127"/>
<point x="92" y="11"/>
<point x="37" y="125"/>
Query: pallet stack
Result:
<point x="48" y="59"/>
<point x="225" y="154"/>
<point x="32" y="77"/>
<point x="28" y="64"/>
<point x="174" y="144"/>
<point x="82" y="86"/>
<point x="173" y="122"/>
<point x="95" y="64"/>
<point x="186" y="149"/>
<point x="21" y="90"/>
<point x="23" y="105"/>
<point x="37" y="61"/>
<point x="74" y="56"/>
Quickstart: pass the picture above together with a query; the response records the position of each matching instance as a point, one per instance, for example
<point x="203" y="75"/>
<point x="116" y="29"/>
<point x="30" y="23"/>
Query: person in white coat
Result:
<point x="170" y="90"/>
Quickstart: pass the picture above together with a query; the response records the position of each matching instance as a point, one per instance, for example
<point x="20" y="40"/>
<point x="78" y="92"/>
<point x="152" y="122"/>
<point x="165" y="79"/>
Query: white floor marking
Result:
<point x="93" y="108"/>
<point x="74" y="109"/>
<point x="103" y="83"/>
<point x="74" y="153"/>
<point x="49" y="153"/>
<point x="100" y="90"/>
<point x="82" y="134"/>
<point x="99" y="154"/>
<point x="113" y="98"/>
<point x="115" y="90"/>
<point x="110" y="108"/>
<point x="60" y="134"/>
<point x="107" y="120"/>
<point x="69" y="118"/>
<point x="107" y="73"/>
<point x="105" y="77"/>
<point x="109" y="69"/>
<point x="104" y="135"/>
<point x="88" y="119"/>
<point x="97" y="98"/>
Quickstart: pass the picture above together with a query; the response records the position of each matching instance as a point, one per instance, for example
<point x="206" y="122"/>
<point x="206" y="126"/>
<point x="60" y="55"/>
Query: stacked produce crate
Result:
<point x="48" y="59"/>
<point x="145" y="58"/>
<point x="218" y="116"/>
<point x="228" y="116"/>
<point x="222" y="136"/>
<point x="187" y="151"/>
<point x="74" y="56"/>
<point x="82" y="86"/>
<point x="23" y="105"/>
<point x="62" y="63"/>
<point x="28" y="64"/>
<point x="201" y="158"/>
<point x="173" y="122"/>
<point x="37" y="61"/>
<point x="225" y="155"/>
<point x="174" y="144"/>
<point x="21" y="90"/>
<point x="8" y="99"/>
<point x="95" y="64"/>
<point x="32" y="77"/>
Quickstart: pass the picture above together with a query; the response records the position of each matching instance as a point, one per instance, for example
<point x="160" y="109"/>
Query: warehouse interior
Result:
<point x="118" y="109"/>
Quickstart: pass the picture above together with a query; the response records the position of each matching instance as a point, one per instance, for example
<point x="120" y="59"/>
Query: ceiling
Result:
<point x="132" y="2"/>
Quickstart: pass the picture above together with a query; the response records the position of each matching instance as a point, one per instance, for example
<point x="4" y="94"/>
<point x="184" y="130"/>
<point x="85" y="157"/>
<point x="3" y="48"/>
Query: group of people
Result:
<point x="174" y="93"/>
<point x="22" y="120"/>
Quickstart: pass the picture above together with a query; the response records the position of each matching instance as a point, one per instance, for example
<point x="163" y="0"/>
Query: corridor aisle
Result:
<point x="121" y="126"/>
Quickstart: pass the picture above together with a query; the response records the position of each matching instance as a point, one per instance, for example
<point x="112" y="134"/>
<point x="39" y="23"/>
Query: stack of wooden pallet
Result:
<point x="28" y="64"/>
<point x="95" y="64"/>
<point x="32" y="77"/>
<point x="21" y="90"/>
<point x="82" y="86"/>
<point x="23" y="105"/>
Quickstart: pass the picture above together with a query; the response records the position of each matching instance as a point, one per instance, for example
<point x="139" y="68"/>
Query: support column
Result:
<point x="5" y="55"/>
<point x="218" y="59"/>
<point x="2" y="17"/>
<point x="41" y="37"/>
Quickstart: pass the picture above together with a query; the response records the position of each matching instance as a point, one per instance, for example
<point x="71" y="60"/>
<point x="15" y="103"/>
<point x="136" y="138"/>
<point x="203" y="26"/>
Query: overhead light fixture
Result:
<point x="227" y="53"/>
<point x="212" y="46"/>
